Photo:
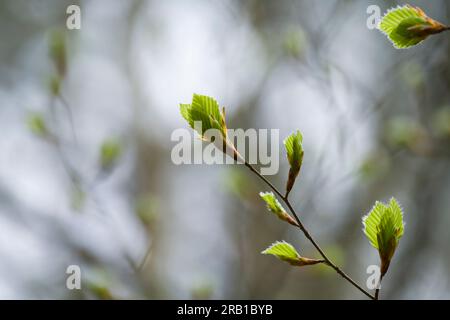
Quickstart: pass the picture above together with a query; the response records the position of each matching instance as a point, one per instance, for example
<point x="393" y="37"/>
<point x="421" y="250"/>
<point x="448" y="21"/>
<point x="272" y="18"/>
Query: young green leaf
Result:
<point x="205" y="110"/>
<point x="384" y="227"/>
<point x="274" y="206"/>
<point x="203" y="114"/>
<point x="407" y="26"/>
<point x="286" y="252"/>
<point x="294" y="151"/>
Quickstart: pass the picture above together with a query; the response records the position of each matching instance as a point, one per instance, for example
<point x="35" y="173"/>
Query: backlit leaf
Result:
<point x="384" y="227"/>
<point x="407" y="26"/>
<point x="286" y="252"/>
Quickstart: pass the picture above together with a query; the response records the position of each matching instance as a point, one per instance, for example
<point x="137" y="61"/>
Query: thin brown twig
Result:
<point x="146" y="257"/>
<point x="69" y="115"/>
<point x="308" y="235"/>
<point x="377" y="291"/>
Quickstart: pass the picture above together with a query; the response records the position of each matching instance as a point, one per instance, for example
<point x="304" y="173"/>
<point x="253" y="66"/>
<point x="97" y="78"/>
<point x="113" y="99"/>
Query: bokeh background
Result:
<point x="86" y="176"/>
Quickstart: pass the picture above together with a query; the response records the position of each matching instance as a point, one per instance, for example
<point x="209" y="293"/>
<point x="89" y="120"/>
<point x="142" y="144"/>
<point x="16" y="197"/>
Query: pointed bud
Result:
<point x="274" y="206"/>
<point x="294" y="151"/>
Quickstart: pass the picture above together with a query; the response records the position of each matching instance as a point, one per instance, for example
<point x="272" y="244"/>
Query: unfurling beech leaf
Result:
<point x="294" y="151"/>
<point x="274" y="206"/>
<point x="286" y="252"/>
<point x="205" y="110"/>
<point x="203" y="114"/>
<point x="384" y="227"/>
<point x="407" y="26"/>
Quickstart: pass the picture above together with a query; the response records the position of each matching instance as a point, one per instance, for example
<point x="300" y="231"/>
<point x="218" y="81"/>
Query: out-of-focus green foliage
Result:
<point x="78" y="198"/>
<point x="413" y="74"/>
<point x="58" y="51"/>
<point x="147" y="207"/>
<point x="405" y="132"/>
<point x="202" y="291"/>
<point x="110" y="151"/>
<point x="236" y="182"/>
<point x="55" y="85"/>
<point x="294" y="42"/>
<point x="100" y="283"/>
<point x="37" y="125"/>
<point x="374" y="165"/>
<point x="441" y="122"/>
<point x="100" y="291"/>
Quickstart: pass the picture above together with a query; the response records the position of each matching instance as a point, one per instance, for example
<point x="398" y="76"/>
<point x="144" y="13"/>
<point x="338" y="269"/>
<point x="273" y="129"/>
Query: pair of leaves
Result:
<point x="407" y="26"/>
<point x="384" y="227"/>
<point x="286" y="252"/>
